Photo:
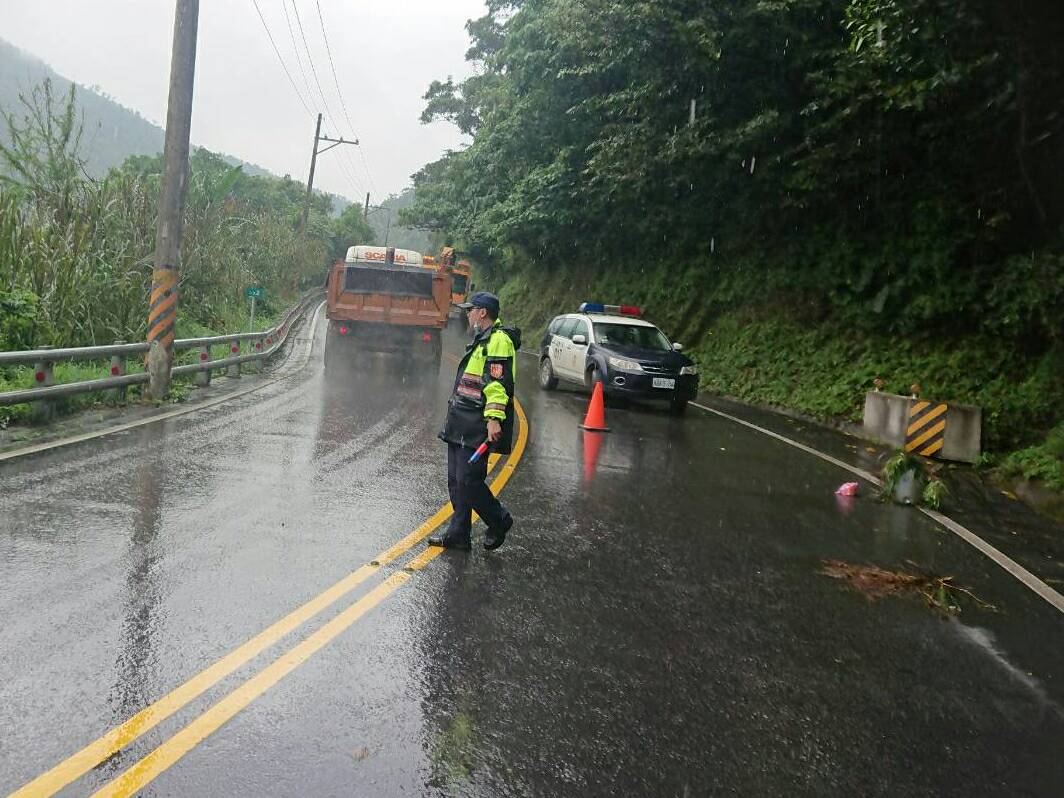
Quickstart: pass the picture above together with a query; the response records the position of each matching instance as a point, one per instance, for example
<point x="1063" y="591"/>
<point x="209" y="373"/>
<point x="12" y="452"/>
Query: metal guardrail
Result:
<point x="265" y="344"/>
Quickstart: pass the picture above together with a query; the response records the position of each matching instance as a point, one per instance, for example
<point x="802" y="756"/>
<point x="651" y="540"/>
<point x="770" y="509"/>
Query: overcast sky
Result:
<point x="386" y="53"/>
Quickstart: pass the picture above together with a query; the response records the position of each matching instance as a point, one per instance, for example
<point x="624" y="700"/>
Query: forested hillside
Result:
<point x="809" y="193"/>
<point x="112" y="132"/>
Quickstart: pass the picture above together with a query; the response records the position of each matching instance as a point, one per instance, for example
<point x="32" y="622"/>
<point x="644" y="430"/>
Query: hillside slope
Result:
<point x="808" y="194"/>
<point x="112" y="132"/>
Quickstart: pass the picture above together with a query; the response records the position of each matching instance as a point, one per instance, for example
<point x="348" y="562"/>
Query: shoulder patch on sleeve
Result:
<point x="497" y="370"/>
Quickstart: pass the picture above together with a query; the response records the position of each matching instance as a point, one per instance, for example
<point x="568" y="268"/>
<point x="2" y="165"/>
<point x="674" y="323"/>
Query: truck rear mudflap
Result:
<point x="414" y="344"/>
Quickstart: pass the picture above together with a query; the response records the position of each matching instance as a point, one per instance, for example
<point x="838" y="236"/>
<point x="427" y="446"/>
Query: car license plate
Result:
<point x="664" y="382"/>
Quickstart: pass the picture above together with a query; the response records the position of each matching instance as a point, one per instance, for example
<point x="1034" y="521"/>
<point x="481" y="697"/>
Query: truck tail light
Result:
<point x="343" y="330"/>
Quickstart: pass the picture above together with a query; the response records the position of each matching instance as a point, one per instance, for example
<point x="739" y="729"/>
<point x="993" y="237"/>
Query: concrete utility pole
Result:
<point x="162" y="303"/>
<point x="310" y="180"/>
<point x="313" y="163"/>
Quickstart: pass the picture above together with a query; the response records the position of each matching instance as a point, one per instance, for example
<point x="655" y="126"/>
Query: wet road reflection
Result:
<point x="658" y="627"/>
<point x="655" y="624"/>
<point x="136" y="670"/>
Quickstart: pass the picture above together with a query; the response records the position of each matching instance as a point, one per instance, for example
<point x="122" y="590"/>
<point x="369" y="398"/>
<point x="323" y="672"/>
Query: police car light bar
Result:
<point x="598" y="307"/>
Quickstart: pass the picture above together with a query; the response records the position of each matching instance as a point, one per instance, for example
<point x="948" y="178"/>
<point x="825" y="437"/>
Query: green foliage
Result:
<point x="350" y="229"/>
<point x="1044" y="462"/>
<point x="756" y="342"/>
<point x="43" y="154"/>
<point x="866" y="188"/>
<point x="77" y="252"/>
<point x="897" y="467"/>
<point x="18" y="311"/>
<point x="896" y="153"/>
<point x="934" y="493"/>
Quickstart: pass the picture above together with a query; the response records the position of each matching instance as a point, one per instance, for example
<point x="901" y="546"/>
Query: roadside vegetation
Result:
<point x="808" y="194"/>
<point x="76" y="252"/>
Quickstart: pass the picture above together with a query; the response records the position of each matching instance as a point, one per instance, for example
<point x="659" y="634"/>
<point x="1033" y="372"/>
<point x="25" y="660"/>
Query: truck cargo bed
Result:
<point x="393" y="280"/>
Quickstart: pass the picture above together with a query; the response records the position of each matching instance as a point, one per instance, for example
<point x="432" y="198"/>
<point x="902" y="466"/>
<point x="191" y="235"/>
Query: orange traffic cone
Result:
<point x="595" y="420"/>
<point x="592" y="445"/>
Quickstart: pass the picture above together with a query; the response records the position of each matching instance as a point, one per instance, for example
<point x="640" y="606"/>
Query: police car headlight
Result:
<point x="689" y="370"/>
<point x="624" y="364"/>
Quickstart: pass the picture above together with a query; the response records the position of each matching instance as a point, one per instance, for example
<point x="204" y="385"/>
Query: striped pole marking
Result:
<point x="162" y="306"/>
<point x="927" y="428"/>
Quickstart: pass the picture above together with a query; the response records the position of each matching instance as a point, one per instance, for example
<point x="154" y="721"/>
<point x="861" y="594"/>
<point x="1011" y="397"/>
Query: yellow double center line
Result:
<point x="168" y="753"/>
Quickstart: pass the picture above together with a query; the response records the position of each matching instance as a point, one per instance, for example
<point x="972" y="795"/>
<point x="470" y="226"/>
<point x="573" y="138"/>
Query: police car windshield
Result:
<point x="638" y="337"/>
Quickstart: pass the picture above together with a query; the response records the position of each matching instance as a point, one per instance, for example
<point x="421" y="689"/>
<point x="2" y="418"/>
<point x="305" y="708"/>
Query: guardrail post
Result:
<point x="260" y="344"/>
<point x="203" y="378"/>
<point x="43" y="409"/>
<point x="234" y="350"/>
<point x="118" y="369"/>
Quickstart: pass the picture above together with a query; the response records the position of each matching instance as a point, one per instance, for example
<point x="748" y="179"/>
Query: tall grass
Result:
<point x="76" y="253"/>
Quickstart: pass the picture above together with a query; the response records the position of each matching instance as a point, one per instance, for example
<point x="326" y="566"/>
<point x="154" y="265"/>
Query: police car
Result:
<point x="612" y="345"/>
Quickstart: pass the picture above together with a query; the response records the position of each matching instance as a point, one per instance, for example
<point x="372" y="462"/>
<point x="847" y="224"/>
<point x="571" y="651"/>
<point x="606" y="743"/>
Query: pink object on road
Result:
<point x="847" y="489"/>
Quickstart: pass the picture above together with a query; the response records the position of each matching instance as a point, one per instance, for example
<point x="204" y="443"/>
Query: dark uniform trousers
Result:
<point x="469" y="491"/>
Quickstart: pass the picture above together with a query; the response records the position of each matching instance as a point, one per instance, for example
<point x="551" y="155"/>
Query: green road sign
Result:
<point x="254" y="292"/>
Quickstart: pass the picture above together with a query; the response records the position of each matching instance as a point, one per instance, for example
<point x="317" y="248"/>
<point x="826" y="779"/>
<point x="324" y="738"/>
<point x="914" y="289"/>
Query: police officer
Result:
<point x="480" y="409"/>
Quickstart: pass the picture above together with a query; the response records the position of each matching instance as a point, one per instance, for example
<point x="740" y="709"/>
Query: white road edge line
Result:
<point x="1028" y="579"/>
<point x="43" y="447"/>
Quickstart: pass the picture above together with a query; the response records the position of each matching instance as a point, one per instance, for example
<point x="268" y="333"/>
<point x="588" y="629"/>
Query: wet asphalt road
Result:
<point x="655" y="625"/>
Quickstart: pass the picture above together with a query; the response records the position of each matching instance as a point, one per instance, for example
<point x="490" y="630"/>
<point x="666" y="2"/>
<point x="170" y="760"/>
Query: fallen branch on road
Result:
<point x="939" y="592"/>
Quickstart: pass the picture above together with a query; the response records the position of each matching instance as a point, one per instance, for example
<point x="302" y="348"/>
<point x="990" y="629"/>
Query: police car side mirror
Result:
<point x="677" y="347"/>
<point x="579" y="339"/>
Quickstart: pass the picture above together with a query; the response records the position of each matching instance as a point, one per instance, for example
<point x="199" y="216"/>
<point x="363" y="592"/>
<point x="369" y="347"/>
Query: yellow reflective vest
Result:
<point x="484" y="389"/>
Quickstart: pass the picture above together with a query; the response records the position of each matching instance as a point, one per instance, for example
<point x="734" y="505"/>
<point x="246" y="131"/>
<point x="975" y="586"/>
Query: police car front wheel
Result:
<point x="547" y="380"/>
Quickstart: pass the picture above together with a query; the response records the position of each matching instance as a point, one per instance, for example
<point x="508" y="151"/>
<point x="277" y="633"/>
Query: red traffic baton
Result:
<point x="479" y="452"/>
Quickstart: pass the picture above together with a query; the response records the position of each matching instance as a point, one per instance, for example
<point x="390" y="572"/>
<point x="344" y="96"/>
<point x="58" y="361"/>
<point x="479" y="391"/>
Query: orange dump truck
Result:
<point x="460" y="287"/>
<point x="460" y="271"/>
<point x="383" y="299"/>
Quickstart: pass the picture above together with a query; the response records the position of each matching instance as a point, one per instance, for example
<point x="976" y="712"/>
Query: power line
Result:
<point x="310" y="58"/>
<point x="340" y="94"/>
<point x="279" y="58"/>
<point x="350" y="174"/>
<point x="347" y="174"/>
<point x="295" y="50"/>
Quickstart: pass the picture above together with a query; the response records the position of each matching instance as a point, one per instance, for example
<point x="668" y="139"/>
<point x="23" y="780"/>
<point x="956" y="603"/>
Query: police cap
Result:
<point x="482" y="299"/>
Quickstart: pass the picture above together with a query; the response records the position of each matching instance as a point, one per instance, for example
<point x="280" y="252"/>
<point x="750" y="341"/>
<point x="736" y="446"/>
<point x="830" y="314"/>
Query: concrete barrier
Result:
<point x="887" y="418"/>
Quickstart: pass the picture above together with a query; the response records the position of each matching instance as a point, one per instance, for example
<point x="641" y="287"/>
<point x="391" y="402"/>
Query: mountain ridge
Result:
<point x="112" y="132"/>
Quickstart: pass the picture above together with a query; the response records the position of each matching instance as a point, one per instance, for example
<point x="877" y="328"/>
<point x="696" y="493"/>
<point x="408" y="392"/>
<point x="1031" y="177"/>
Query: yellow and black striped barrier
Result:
<point x="162" y="308"/>
<point x="926" y="433"/>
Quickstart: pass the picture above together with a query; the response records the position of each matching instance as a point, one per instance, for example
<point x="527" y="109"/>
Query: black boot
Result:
<point x="494" y="538"/>
<point x="450" y="543"/>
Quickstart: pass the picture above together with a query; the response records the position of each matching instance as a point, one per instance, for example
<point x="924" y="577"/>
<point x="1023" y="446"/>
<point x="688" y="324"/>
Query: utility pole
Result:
<point x="313" y="163"/>
<point x="365" y="213"/>
<point x="162" y="303"/>
<point x="310" y="180"/>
